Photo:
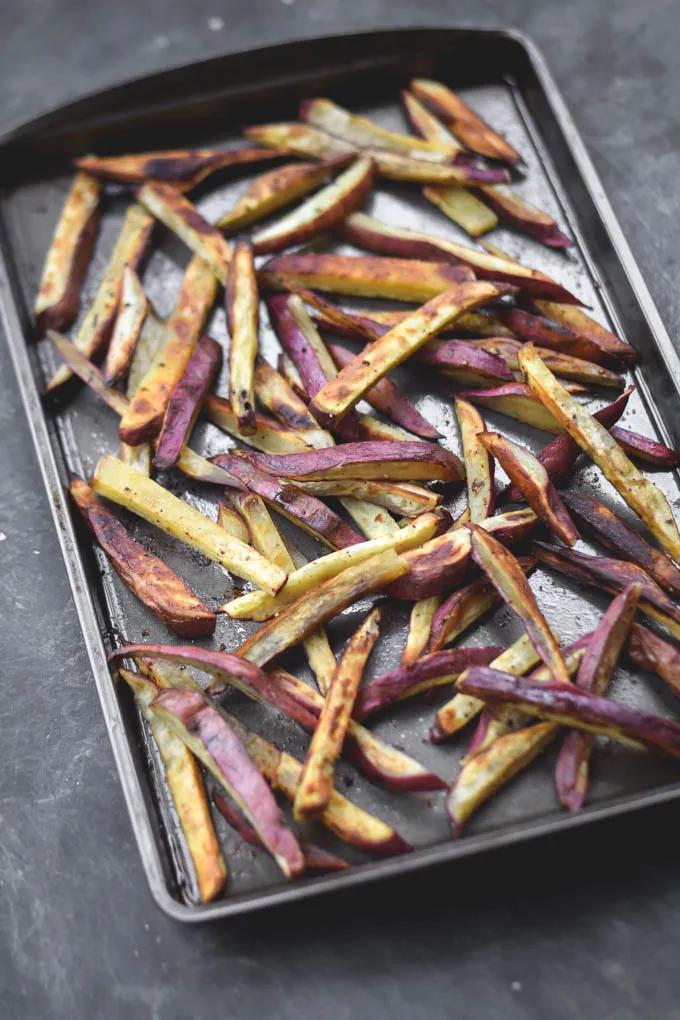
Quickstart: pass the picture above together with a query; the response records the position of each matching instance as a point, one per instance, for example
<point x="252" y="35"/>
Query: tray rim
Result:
<point x="140" y="817"/>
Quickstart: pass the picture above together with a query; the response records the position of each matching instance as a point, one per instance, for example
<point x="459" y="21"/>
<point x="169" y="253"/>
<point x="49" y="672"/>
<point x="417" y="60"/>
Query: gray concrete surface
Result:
<point x="584" y="927"/>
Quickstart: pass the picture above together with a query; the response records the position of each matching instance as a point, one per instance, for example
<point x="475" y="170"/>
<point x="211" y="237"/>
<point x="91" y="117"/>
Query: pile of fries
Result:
<point x="507" y="337"/>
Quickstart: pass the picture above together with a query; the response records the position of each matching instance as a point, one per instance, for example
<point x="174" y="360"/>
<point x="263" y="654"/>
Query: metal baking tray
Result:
<point x="506" y="79"/>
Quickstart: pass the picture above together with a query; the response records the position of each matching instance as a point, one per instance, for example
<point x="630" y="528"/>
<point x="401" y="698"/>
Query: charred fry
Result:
<point x="478" y="464"/>
<point x="95" y="329"/>
<point x="144" y="417"/>
<point x="56" y="305"/>
<point x="180" y="165"/>
<point x="129" y="321"/>
<point x="529" y="476"/>
<point x="322" y="212"/>
<point x="181" y="216"/>
<point x="243" y="320"/>
<point x="316" y="783"/>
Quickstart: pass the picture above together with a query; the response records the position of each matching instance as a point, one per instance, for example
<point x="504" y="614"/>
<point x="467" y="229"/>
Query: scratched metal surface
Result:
<point x="85" y="429"/>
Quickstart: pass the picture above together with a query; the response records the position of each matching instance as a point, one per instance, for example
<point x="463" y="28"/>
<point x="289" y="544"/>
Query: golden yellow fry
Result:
<point x="641" y="495"/>
<point x="121" y="484"/>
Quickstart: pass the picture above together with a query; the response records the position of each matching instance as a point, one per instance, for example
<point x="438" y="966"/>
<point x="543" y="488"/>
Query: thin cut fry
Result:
<point x="144" y="417"/>
<point x="478" y="464"/>
<point x="181" y="216"/>
<point x="419" y="628"/>
<point x="231" y="520"/>
<point x="187" y="789"/>
<point x="243" y="320"/>
<point x="129" y="321"/>
<point x="125" y="486"/>
<point x="95" y="329"/>
<point x="319" y="605"/>
<point x="316" y="784"/>
<point x="56" y="305"/>
<point x="340" y="394"/>
<point x="640" y="494"/>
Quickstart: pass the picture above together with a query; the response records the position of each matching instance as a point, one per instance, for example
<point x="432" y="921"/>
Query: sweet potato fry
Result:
<point x="462" y="207"/>
<point x="317" y="860"/>
<point x="292" y="502"/>
<point x="487" y="772"/>
<point x="459" y="611"/>
<point x="187" y="790"/>
<point x="279" y="398"/>
<point x="527" y="473"/>
<point x="180" y="165"/>
<point x="181" y="216"/>
<point x="258" y="606"/>
<point x="655" y="655"/>
<point x="496" y="721"/>
<point x="402" y="498"/>
<point x="613" y="576"/>
<point x="129" y="321"/>
<point x="194" y="466"/>
<point x="316" y="607"/>
<point x="560" y="454"/>
<point x="277" y="188"/>
<point x="524" y="216"/>
<point x="612" y="532"/>
<point x="186" y="401"/>
<point x="361" y="132"/>
<point x="95" y="329"/>
<point x="594" y="674"/>
<point x="147" y="577"/>
<point x="644" y="448"/>
<point x="465" y="124"/>
<point x="144" y="417"/>
<point x="121" y="484"/>
<point x="464" y="363"/>
<point x="385" y="239"/>
<point x="301" y="342"/>
<point x="387" y="398"/>
<point x="269" y="436"/>
<point x="442" y="563"/>
<point x="457" y="712"/>
<point x="507" y="577"/>
<point x="396" y="279"/>
<point x="343" y="818"/>
<point x="209" y="736"/>
<point x="580" y="322"/>
<point x="232" y="521"/>
<point x="58" y="300"/>
<point x="391" y="461"/>
<point x="339" y="395"/>
<point x="425" y="125"/>
<point x="567" y="704"/>
<point x="316" y="783"/>
<point x="419" y="629"/>
<point x="433" y="670"/>
<point x="321" y="212"/>
<point x="516" y="400"/>
<point x="479" y="471"/>
<point x="378" y="761"/>
<point x="563" y="365"/>
<point x="642" y="496"/>
<point x="544" y="333"/>
<point x="306" y="140"/>
<point x="89" y="373"/>
<point x="243" y="303"/>
<point x="137" y="457"/>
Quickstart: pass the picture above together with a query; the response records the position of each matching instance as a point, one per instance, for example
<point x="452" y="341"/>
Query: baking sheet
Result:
<point x="73" y="437"/>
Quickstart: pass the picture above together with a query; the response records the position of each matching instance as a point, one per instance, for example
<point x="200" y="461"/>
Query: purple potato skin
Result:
<point x="646" y="449"/>
<point x="383" y="691"/>
<point x="647" y="650"/>
<point x="567" y="704"/>
<point x="186" y="401"/>
<point x="61" y="315"/>
<point x="205" y="723"/>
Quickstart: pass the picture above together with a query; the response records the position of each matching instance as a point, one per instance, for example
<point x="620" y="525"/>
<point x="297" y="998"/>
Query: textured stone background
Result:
<point x="586" y="926"/>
